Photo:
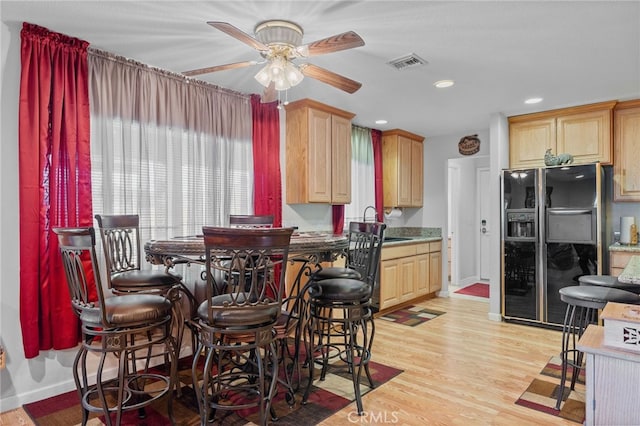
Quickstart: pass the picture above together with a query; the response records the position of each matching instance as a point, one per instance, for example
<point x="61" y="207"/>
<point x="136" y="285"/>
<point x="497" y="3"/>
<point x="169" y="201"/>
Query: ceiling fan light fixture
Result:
<point x="282" y="84"/>
<point x="263" y="76"/>
<point x="293" y="74"/>
<point x="281" y="72"/>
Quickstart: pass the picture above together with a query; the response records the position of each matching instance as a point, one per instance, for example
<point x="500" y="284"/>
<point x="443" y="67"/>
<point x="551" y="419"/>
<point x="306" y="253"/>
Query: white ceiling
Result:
<point x="499" y="52"/>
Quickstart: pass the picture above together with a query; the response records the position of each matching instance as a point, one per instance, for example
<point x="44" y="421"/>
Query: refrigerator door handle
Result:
<point x="569" y="211"/>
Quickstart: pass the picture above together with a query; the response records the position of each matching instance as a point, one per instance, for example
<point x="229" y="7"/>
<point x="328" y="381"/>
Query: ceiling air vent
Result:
<point x="409" y="61"/>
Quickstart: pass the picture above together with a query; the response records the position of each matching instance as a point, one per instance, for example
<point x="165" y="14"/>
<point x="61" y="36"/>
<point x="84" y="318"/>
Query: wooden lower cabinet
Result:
<point x="618" y="260"/>
<point x="407" y="278"/>
<point x="408" y="272"/>
<point x="423" y="265"/>
<point x="390" y="276"/>
<point x="435" y="271"/>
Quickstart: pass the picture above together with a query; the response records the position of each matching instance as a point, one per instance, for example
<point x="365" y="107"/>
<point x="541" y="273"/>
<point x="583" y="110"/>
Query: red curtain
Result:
<point x="54" y="179"/>
<point x="376" y="140"/>
<point x="337" y="215"/>
<point x="267" y="195"/>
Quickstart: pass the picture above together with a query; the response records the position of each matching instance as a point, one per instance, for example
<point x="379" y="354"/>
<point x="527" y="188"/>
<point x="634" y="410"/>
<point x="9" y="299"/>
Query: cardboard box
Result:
<point x="622" y="326"/>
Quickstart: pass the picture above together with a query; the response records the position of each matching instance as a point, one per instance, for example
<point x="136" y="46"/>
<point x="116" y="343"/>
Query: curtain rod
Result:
<point x="163" y="72"/>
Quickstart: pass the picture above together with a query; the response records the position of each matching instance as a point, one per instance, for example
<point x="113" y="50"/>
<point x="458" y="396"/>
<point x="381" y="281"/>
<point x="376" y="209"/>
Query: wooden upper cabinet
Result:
<point x="626" y="167"/>
<point x="417" y="173"/>
<point x="341" y="160"/>
<point x="402" y="169"/>
<point x="318" y="153"/>
<point x="528" y="141"/>
<point x="584" y="132"/>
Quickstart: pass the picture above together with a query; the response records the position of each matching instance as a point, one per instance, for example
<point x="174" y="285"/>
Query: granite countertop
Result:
<point x="631" y="272"/>
<point x="625" y="247"/>
<point x="411" y="240"/>
<point x="412" y="235"/>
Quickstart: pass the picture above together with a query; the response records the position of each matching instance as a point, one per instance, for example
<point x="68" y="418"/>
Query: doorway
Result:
<point x="468" y="205"/>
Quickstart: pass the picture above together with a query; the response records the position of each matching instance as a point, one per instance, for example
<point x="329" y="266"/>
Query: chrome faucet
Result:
<point x="364" y="215"/>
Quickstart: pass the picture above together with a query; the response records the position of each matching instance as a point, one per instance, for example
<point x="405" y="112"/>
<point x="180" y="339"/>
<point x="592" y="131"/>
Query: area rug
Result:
<point x="477" y="289"/>
<point x="542" y="393"/>
<point x="326" y="398"/>
<point x="554" y="369"/>
<point x="411" y="315"/>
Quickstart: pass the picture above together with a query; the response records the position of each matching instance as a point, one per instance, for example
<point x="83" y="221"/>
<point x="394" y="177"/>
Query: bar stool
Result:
<point x="120" y="235"/>
<point x="583" y="303"/>
<point x="245" y="272"/>
<point x="109" y="325"/>
<point x="340" y="323"/>
<point x="608" y="281"/>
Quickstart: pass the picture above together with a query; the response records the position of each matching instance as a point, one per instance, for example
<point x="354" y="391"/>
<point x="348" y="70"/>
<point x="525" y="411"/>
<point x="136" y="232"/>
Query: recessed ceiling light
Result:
<point x="381" y="121"/>
<point x="444" y="83"/>
<point x="533" y="100"/>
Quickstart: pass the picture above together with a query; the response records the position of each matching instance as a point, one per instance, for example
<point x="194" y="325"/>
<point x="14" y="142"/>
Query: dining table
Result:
<point x="312" y="248"/>
<point x="307" y="252"/>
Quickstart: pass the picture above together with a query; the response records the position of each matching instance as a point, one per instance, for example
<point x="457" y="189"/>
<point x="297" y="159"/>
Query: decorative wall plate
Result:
<point x="469" y="145"/>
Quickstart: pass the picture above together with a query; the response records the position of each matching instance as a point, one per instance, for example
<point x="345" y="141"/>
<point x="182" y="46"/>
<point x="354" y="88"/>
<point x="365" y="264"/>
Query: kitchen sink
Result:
<point x="392" y="239"/>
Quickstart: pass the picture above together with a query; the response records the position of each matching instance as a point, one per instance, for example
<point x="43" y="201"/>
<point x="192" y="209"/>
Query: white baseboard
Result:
<point x="17" y="401"/>
<point x="468" y="281"/>
<point x="493" y="316"/>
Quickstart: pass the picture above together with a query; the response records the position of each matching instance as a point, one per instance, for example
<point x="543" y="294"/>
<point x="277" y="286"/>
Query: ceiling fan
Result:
<point x="280" y="43"/>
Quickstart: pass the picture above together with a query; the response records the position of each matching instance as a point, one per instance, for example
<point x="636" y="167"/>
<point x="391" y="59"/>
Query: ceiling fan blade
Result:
<point x="219" y="68"/>
<point x="335" y="43"/>
<point x="329" y="77"/>
<point x="237" y="33"/>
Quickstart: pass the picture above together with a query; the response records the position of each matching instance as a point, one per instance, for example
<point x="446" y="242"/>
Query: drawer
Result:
<point x="422" y="248"/>
<point x="435" y="246"/>
<point x="615" y="272"/>
<point x="619" y="259"/>
<point x="398" y="251"/>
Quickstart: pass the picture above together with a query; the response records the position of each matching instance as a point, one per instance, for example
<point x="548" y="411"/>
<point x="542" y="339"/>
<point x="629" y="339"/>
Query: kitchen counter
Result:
<point x="411" y="235"/>
<point x="408" y="240"/>
<point x="625" y="247"/>
<point x="410" y="268"/>
<point x="612" y="374"/>
<point x="631" y="272"/>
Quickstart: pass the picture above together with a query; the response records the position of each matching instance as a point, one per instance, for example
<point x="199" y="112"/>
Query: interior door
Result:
<point x="484" y="221"/>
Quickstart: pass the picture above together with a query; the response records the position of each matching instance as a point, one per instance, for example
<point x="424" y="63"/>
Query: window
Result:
<point x="176" y="152"/>
<point x="362" y="175"/>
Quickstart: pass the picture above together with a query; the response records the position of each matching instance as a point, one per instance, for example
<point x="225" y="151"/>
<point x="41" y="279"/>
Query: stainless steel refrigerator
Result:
<point x="551" y="235"/>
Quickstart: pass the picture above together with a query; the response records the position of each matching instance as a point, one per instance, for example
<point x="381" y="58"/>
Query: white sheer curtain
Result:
<point x="176" y="152"/>
<point x="362" y="176"/>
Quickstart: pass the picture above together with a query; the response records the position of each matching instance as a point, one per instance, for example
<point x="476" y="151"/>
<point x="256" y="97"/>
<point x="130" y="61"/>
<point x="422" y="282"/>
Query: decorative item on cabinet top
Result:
<point x="469" y="145"/>
<point x="557" y="160"/>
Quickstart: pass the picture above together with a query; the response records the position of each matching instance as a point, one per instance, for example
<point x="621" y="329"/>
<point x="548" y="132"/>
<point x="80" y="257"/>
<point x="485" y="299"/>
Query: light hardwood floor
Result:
<point x="459" y="369"/>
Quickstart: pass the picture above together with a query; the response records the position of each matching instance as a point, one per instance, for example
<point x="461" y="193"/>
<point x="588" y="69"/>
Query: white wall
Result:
<point x="499" y="141"/>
